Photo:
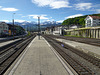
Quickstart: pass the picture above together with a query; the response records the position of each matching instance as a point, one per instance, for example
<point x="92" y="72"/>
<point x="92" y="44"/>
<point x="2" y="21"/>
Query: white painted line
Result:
<point x="31" y="42"/>
<point x="66" y="67"/>
<point x="16" y="65"/>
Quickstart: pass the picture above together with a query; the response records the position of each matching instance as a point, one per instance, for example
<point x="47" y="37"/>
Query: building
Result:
<point x="89" y="32"/>
<point x="3" y="29"/>
<point x="10" y="29"/>
<point x="92" y="21"/>
<point x="16" y="29"/>
<point x="56" y="30"/>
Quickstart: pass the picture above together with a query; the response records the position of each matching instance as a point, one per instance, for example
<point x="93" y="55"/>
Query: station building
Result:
<point x="9" y="29"/>
<point x="91" y="29"/>
<point x="3" y="28"/>
<point x="92" y="21"/>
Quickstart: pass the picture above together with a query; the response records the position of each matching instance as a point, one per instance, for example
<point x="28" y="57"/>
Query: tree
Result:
<point x="77" y="20"/>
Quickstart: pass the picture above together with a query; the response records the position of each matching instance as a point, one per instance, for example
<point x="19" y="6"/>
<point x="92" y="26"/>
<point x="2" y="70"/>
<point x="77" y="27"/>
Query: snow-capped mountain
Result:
<point x="50" y="22"/>
<point x="33" y="23"/>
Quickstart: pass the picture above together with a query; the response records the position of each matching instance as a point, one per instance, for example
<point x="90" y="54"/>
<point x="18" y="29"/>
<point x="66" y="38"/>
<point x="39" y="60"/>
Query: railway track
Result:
<point x="11" y="45"/>
<point x="11" y="38"/>
<point x="81" y="62"/>
<point x="8" y="55"/>
<point x="91" y="41"/>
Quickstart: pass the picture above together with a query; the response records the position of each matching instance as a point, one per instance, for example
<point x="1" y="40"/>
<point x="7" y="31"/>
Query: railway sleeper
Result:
<point x="85" y="73"/>
<point x="70" y="62"/>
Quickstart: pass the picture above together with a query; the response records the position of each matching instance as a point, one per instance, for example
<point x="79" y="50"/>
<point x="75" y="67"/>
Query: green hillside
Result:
<point x="77" y="20"/>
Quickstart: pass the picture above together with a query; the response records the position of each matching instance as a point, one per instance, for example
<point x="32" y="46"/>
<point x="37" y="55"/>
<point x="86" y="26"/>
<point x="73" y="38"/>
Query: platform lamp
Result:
<point x="62" y="30"/>
<point x="13" y="25"/>
<point x="38" y="27"/>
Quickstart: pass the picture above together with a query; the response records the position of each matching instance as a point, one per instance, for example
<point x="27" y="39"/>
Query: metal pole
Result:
<point x="13" y="26"/>
<point x="38" y="27"/>
<point x="27" y="28"/>
<point x="24" y="27"/>
<point x="13" y="29"/>
<point x="62" y="30"/>
<point x="3" y="30"/>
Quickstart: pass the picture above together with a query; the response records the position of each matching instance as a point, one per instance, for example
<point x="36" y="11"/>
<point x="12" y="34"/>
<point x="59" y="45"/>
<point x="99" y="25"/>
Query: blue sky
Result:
<point x="48" y="10"/>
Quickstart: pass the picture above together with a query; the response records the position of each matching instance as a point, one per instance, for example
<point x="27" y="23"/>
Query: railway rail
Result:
<point x="82" y="63"/>
<point x="91" y="41"/>
<point x="9" y="54"/>
<point x="11" y="38"/>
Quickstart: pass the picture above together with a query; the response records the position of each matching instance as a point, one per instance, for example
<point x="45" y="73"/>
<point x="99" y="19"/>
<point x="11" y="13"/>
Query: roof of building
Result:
<point x="95" y="17"/>
<point x="2" y="22"/>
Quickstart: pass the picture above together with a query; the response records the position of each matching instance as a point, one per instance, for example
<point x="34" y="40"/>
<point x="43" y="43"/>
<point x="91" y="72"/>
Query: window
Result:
<point x="0" y="27"/>
<point x="94" y="21"/>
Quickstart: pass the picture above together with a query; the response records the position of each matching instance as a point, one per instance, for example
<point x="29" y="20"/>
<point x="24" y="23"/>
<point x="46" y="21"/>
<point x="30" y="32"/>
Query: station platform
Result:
<point x="39" y="59"/>
<point x="90" y="49"/>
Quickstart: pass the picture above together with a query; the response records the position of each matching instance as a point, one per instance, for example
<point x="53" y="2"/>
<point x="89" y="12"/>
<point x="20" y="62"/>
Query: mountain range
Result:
<point x="34" y="25"/>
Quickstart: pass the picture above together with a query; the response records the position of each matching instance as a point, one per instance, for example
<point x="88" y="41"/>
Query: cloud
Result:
<point x="20" y="14"/>
<point x="54" y="4"/>
<point x="59" y="4"/>
<point x="42" y="2"/>
<point x="23" y="16"/>
<point x="9" y="9"/>
<point x="83" y="6"/>
<point x="36" y="16"/>
<point x="0" y="6"/>
<point x="60" y="21"/>
<point x="97" y="5"/>
<point x="72" y="16"/>
<point x="5" y="21"/>
<point x="17" y="20"/>
<point x="98" y="10"/>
